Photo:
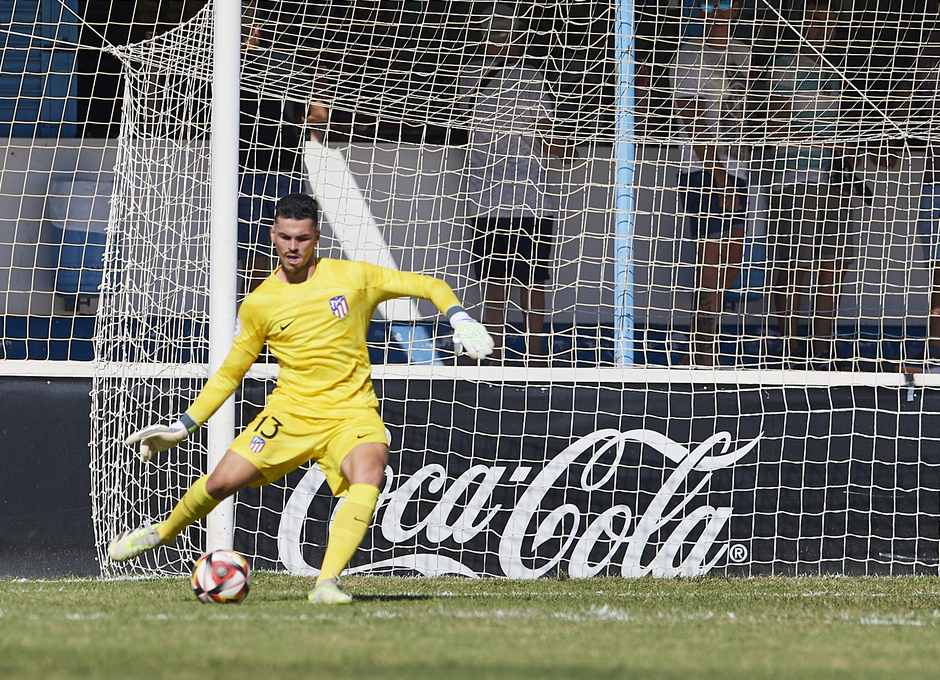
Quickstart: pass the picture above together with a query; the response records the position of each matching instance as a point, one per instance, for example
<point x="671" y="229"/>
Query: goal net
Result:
<point x="720" y="359"/>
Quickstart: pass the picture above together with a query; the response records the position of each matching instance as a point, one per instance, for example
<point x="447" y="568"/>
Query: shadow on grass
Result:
<point x="391" y="598"/>
<point x="277" y="597"/>
<point x="302" y="597"/>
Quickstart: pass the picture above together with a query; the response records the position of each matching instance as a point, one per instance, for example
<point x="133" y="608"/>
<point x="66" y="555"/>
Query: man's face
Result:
<point x="295" y="242"/>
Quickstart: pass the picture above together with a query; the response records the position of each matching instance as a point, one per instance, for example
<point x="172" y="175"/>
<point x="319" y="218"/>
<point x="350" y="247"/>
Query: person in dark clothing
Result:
<point x="270" y="165"/>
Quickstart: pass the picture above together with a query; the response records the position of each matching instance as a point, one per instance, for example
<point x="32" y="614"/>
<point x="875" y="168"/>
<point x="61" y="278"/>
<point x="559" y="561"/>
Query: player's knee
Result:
<point x="231" y="475"/>
<point x="366" y="465"/>
<point x="369" y="470"/>
<point x="220" y="487"/>
<point x="216" y="489"/>
<point x="373" y="474"/>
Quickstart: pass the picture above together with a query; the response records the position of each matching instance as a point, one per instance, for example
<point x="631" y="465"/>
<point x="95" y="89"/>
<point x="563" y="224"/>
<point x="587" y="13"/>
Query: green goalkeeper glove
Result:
<point x="157" y="438"/>
<point x="470" y="336"/>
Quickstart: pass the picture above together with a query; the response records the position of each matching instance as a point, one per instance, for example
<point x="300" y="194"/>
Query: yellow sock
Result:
<point x="193" y="506"/>
<point x="349" y="528"/>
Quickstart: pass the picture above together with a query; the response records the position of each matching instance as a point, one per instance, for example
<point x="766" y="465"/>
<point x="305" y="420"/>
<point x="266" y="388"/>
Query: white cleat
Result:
<point x="133" y="542"/>
<point x="329" y="592"/>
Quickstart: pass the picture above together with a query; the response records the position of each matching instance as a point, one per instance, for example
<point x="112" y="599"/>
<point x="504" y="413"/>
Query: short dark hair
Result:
<point x="298" y="207"/>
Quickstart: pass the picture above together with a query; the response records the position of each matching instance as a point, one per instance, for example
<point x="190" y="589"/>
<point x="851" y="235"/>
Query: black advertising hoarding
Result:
<point x="530" y="480"/>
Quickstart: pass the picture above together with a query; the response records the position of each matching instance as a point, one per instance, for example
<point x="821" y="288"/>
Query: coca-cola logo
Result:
<point x="541" y="534"/>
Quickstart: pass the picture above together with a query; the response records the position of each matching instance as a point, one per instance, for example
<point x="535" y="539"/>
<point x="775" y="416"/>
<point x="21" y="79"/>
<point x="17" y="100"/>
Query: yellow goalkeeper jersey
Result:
<point x="317" y="330"/>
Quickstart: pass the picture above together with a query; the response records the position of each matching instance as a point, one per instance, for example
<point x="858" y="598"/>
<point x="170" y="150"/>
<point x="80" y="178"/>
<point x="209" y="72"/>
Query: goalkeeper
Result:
<point x="313" y="314"/>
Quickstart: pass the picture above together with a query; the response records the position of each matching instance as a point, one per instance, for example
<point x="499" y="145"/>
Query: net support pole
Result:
<point x="223" y="246"/>
<point x="625" y="193"/>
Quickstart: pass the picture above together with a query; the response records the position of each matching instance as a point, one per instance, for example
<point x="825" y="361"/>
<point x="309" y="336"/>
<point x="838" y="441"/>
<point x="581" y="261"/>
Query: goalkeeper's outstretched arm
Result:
<point x="157" y="438"/>
<point x="221" y="386"/>
<point x="470" y="336"/>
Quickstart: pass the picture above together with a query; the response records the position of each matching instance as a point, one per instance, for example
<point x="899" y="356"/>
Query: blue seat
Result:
<point x="77" y="208"/>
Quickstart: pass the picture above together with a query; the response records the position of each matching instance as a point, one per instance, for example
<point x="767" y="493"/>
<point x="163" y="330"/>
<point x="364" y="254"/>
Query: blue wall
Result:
<point x="37" y="68"/>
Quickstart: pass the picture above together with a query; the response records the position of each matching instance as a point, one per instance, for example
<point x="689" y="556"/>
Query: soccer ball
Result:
<point x="221" y="576"/>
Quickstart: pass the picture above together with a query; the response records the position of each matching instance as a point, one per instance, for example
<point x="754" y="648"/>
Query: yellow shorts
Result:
<point x="277" y="442"/>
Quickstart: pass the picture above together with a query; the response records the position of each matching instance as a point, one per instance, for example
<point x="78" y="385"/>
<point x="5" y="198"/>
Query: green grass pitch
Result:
<point x="838" y="627"/>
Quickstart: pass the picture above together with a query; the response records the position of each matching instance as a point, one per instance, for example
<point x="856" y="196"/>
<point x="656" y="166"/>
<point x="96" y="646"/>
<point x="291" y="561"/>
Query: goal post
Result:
<point x="223" y="242"/>
<point x="626" y="160"/>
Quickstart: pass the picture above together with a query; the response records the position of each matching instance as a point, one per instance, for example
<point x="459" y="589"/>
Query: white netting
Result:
<point x="153" y="310"/>
<point x="378" y="111"/>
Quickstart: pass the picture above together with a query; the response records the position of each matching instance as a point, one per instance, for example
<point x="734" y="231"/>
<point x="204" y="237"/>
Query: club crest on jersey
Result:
<point x="256" y="444"/>
<point x="339" y="306"/>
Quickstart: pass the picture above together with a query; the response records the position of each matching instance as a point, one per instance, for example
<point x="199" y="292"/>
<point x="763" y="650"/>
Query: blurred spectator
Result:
<point x="508" y="202"/>
<point x="712" y="81"/>
<point x="810" y="217"/>
<point x="270" y="162"/>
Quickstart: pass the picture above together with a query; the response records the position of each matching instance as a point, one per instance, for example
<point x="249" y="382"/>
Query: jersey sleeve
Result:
<point x="251" y="333"/>
<point x="388" y="284"/>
